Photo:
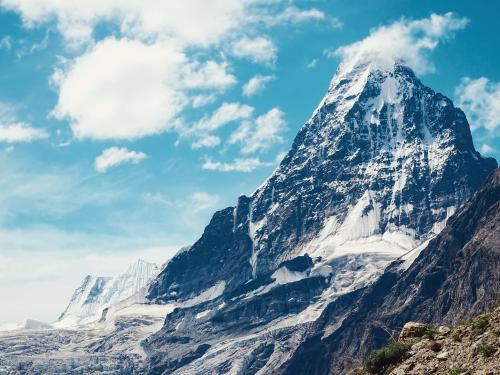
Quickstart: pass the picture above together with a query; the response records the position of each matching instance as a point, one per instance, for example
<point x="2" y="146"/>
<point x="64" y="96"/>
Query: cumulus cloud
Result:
<point x="408" y="40"/>
<point x="238" y="165"/>
<point x="14" y="131"/>
<point x="189" y="21"/>
<point x="20" y="132"/>
<point x="480" y="100"/>
<point x="225" y="114"/>
<point x="261" y="134"/>
<point x="208" y="75"/>
<point x="256" y="84"/>
<point x="203" y="130"/>
<point x="261" y="50"/>
<point x="127" y="89"/>
<point x="114" y="156"/>
<point x="295" y="15"/>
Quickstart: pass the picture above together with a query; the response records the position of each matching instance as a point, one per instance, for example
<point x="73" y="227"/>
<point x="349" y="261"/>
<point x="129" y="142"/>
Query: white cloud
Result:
<point x="256" y="84"/>
<point x="238" y="165"/>
<point x="203" y="129"/>
<point x="408" y="40"/>
<point x="114" y="156"/>
<point x="225" y="114"/>
<point x="295" y="15"/>
<point x="480" y="100"/>
<point x="210" y="75"/>
<point x="126" y="89"/>
<point x="194" y="203"/>
<point x="20" y="132"/>
<point x="190" y="21"/>
<point x="202" y="201"/>
<point x="259" y="50"/>
<point x="13" y="131"/>
<point x="206" y="141"/>
<point x="29" y="49"/>
<point x="312" y="64"/>
<point x="486" y="149"/>
<point x="202" y="100"/>
<point x="261" y="135"/>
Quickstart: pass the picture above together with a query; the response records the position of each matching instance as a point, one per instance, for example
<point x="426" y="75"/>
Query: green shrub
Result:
<point x="480" y="323"/>
<point x="379" y="360"/>
<point x="456" y="337"/>
<point x="430" y="333"/>
<point x="486" y="350"/>
<point x="457" y="371"/>
<point x="463" y="322"/>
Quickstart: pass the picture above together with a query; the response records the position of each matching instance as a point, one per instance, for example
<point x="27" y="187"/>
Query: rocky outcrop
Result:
<point x="456" y="276"/>
<point x="469" y="347"/>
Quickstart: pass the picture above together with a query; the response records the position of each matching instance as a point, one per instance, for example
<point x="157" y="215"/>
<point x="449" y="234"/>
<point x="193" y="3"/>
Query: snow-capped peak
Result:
<point x="98" y="293"/>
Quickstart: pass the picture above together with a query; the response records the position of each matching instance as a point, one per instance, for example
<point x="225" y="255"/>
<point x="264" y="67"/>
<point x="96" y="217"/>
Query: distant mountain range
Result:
<point x="97" y="293"/>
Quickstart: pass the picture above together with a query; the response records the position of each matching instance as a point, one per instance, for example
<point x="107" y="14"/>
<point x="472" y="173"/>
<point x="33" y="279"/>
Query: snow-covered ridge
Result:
<point x="97" y="293"/>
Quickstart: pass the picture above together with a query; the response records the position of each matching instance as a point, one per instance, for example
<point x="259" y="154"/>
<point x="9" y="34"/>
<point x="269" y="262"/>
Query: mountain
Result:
<point x="97" y="293"/>
<point x="456" y="276"/>
<point x="377" y="162"/>
<point x="342" y="242"/>
<point x="371" y="177"/>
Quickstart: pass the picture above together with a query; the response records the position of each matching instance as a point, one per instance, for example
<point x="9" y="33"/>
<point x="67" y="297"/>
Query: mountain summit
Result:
<point x="382" y="163"/>
<point x="371" y="177"/>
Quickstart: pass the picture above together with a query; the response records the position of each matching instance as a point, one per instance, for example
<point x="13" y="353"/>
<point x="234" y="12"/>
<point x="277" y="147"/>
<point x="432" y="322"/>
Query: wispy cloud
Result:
<point x="480" y="100"/>
<point x="114" y="156"/>
<point x="6" y="43"/>
<point x="14" y="131"/>
<point x="256" y="84"/>
<point x="238" y="165"/>
<point x="261" y="134"/>
<point x="312" y="64"/>
<point x="202" y="131"/>
<point x="408" y="40"/>
<point x="486" y="149"/>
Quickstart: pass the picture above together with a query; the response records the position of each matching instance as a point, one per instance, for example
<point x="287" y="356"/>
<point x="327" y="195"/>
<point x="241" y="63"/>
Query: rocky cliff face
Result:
<point x="370" y="177"/>
<point x="378" y="159"/>
<point x="456" y="276"/>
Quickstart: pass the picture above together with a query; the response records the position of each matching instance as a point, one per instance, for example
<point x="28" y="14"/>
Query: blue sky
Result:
<point x="125" y="125"/>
